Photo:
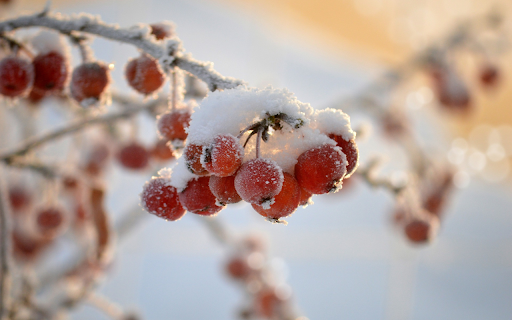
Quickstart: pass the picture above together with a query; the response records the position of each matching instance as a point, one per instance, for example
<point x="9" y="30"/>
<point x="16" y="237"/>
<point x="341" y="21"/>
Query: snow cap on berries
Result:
<point x="180" y="175"/>
<point x="231" y="110"/>
<point x="48" y="41"/>
<point x="334" y="121"/>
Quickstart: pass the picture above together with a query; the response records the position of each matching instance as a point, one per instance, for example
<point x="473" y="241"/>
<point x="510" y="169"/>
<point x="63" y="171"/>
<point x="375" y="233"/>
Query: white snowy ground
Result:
<point x="342" y="257"/>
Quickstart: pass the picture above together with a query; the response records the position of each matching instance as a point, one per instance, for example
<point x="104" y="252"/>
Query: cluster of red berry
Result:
<point x="49" y="71"/>
<point x="221" y="172"/>
<point x="270" y="296"/>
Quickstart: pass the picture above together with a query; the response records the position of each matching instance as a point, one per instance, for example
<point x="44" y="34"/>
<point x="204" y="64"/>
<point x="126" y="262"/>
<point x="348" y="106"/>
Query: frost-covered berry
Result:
<point x="16" y="76"/>
<point x="223" y="188"/>
<point x="161" y="199"/>
<point x="144" y="74"/>
<point x="321" y="169"/>
<point x="133" y="156"/>
<point x="349" y="148"/>
<point x="259" y="180"/>
<point x="193" y="154"/>
<point x="50" y="72"/>
<point x="172" y="125"/>
<point x="89" y="81"/>
<point x="97" y="158"/>
<point x="197" y="197"/>
<point x="224" y="156"/>
<point x="285" y="202"/>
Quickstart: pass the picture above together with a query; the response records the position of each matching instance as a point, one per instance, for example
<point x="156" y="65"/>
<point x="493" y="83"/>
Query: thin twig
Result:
<point x="4" y="247"/>
<point x="38" y="141"/>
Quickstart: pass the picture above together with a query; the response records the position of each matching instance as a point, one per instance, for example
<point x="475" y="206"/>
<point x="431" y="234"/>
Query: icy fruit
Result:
<point x="285" y="202"/>
<point x="259" y="180"/>
<point x="89" y="81"/>
<point x="16" y="76"/>
<point x="50" y="72"/>
<point x="321" y="169"/>
<point x="223" y="188"/>
<point x="197" y="197"/>
<point x="172" y="125"/>
<point x="224" y="156"/>
<point x="161" y="199"/>
<point x="349" y="148"/>
<point x="144" y="74"/>
<point x="193" y="154"/>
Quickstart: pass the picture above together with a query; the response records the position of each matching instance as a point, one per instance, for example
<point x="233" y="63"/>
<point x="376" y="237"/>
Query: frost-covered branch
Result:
<point x="168" y="52"/>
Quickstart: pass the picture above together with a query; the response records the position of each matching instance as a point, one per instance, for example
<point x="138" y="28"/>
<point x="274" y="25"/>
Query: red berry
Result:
<point x="285" y="202"/>
<point x="16" y="76"/>
<point x="144" y="74"/>
<point x="161" y="151"/>
<point x="238" y="269"/>
<point x="224" y="156"/>
<point x="88" y="82"/>
<point x="259" y="180"/>
<point x="193" y="154"/>
<point x="35" y="96"/>
<point x="50" y="72"/>
<point x="161" y="30"/>
<point x="197" y="197"/>
<point x="321" y="169"/>
<point x="161" y="199"/>
<point x="489" y="75"/>
<point x="133" y="156"/>
<point x="26" y="247"/>
<point x="97" y="158"/>
<point x="20" y="198"/>
<point x="349" y="148"/>
<point x="268" y="303"/>
<point x="49" y="221"/>
<point x="172" y="125"/>
<point x="223" y="188"/>
<point x="305" y="196"/>
<point x="70" y="182"/>
<point x="420" y="230"/>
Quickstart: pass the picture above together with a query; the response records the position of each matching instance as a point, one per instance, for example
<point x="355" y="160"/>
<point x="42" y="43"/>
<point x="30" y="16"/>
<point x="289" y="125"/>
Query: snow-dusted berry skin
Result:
<point x="50" y="72"/>
<point x="161" y="151"/>
<point x="305" y="196"/>
<point x="26" y="247"/>
<point x="50" y="220"/>
<point x="89" y="81"/>
<point x="259" y="180"/>
<point x="161" y="199"/>
<point x="197" y="197"/>
<point x="172" y="125"/>
<point x="349" y="148"/>
<point x="267" y="303"/>
<point x="16" y="76"/>
<point x="133" y="156"/>
<point x="223" y="188"/>
<point x="321" y="169"/>
<point x="193" y="154"/>
<point x="224" y="156"/>
<point x="97" y="159"/>
<point x="285" y="202"/>
<point x="421" y="231"/>
<point x="144" y="74"/>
